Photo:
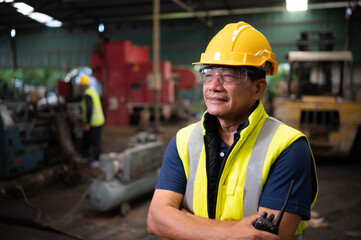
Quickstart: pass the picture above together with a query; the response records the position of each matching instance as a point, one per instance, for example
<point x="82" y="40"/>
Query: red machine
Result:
<point x="125" y="72"/>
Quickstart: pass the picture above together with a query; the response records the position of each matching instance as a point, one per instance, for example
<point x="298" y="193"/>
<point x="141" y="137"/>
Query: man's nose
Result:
<point x="215" y="84"/>
<point x="217" y="80"/>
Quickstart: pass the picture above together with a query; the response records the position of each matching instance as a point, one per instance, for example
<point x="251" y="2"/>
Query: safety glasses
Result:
<point x="226" y="75"/>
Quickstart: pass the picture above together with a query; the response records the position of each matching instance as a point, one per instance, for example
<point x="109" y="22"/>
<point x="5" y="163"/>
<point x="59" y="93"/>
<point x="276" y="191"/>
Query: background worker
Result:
<point x="93" y="119"/>
<point x="220" y="174"/>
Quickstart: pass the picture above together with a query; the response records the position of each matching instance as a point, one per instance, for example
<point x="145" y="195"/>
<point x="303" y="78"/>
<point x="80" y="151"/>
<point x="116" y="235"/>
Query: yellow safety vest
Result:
<point x="97" y="118"/>
<point x="246" y="169"/>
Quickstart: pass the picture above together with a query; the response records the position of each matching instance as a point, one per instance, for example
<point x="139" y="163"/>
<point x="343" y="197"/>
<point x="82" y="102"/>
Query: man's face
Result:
<point x="229" y="95"/>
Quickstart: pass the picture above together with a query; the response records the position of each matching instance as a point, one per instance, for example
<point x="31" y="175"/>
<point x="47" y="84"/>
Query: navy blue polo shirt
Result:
<point x="295" y="162"/>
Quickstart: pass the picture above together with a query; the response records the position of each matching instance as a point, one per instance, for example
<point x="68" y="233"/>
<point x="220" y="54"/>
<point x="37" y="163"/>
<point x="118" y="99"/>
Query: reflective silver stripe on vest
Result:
<point x="253" y="181"/>
<point x="195" y="144"/>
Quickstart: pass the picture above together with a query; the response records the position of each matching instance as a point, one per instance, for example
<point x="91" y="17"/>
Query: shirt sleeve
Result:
<point x="172" y="176"/>
<point x="89" y="108"/>
<point x="293" y="163"/>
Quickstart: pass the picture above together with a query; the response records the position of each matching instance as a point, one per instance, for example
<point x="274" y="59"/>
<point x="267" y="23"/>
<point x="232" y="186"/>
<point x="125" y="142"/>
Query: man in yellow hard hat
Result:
<point x="220" y="174"/>
<point x="93" y="119"/>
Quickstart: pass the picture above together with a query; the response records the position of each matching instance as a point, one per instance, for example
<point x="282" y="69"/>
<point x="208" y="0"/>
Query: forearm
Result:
<point x="288" y="225"/>
<point x="89" y="108"/>
<point x="210" y="222"/>
<point x="170" y="223"/>
<point x="166" y="221"/>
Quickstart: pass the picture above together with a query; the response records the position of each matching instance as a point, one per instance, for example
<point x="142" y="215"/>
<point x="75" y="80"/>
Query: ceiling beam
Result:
<point x="200" y="16"/>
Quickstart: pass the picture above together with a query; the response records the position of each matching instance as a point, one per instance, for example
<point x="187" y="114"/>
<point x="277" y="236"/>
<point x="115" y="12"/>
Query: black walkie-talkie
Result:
<point x="265" y="224"/>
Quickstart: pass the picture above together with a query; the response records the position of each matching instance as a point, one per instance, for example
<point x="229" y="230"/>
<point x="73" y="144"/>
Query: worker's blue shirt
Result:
<point x="293" y="163"/>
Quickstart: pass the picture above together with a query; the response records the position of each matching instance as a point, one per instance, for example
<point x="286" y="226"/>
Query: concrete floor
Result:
<point x="66" y="212"/>
<point x="338" y="207"/>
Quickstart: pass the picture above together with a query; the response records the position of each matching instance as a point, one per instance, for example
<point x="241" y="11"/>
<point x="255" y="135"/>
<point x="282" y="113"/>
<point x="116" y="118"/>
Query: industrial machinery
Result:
<point x="19" y="153"/>
<point x="127" y="175"/>
<point x="126" y="73"/>
<point x="33" y="136"/>
<point x="126" y="76"/>
<point x="321" y="102"/>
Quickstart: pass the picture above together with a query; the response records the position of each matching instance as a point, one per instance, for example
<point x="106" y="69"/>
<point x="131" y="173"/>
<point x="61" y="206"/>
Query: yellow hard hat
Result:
<point x="84" y="80"/>
<point x="240" y="44"/>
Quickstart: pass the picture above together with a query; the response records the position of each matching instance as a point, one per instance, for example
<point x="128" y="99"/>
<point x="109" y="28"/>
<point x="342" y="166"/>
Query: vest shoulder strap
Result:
<point x="253" y="181"/>
<point x="195" y="144"/>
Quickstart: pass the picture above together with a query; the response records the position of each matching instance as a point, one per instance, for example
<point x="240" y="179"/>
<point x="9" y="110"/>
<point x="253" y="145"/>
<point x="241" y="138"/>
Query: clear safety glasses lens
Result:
<point x="225" y="75"/>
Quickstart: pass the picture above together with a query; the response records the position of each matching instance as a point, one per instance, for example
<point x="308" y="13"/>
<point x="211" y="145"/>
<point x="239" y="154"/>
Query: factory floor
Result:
<point x="58" y="211"/>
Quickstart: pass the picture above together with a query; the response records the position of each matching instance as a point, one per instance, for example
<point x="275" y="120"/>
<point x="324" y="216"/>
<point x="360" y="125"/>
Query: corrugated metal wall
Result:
<point x="49" y="48"/>
<point x="182" y="40"/>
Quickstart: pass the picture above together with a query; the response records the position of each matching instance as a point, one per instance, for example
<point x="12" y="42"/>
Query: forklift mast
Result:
<point x="320" y="99"/>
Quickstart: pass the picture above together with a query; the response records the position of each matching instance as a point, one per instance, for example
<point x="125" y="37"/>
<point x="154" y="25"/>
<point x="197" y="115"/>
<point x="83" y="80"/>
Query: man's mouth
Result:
<point x="217" y="98"/>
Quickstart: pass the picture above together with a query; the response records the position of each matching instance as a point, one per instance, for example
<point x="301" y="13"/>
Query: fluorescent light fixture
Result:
<point x="27" y="10"/>
<point x="40" y="17"/>
<point x="23" y="8"/>
<point x="45" y="19"/>
<point x="296" y="5"/>
<point x="6" y="1"/>
<point x="54" y="23"/>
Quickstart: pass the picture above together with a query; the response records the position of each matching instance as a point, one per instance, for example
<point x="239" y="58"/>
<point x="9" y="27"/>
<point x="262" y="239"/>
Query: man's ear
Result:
<point x="259" y="87"/>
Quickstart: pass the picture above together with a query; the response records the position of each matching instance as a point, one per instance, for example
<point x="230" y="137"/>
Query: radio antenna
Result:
<point x="280" y="215"/>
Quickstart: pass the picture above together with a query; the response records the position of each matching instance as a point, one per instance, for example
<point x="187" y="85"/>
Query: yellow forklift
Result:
<point x="321" y="102"/>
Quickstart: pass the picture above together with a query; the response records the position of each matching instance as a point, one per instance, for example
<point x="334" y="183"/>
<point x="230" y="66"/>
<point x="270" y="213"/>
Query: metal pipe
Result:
<point x="191" y="10"/>
<point x="156" y="74"/>
<point x="14" y="61"/>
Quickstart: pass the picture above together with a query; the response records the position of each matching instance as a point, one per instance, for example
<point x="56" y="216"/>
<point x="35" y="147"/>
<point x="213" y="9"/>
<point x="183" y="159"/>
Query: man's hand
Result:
<point x="288" y="225"/>
<point x="244" y="230"/>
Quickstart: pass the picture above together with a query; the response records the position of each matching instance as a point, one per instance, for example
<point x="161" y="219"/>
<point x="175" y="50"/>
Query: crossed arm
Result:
<point x="167" y="221"/>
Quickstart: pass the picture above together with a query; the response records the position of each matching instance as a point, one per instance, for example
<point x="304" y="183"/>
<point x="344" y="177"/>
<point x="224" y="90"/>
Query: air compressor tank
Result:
<point x="106" y="195"/>
<point x="127" y="175"/>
